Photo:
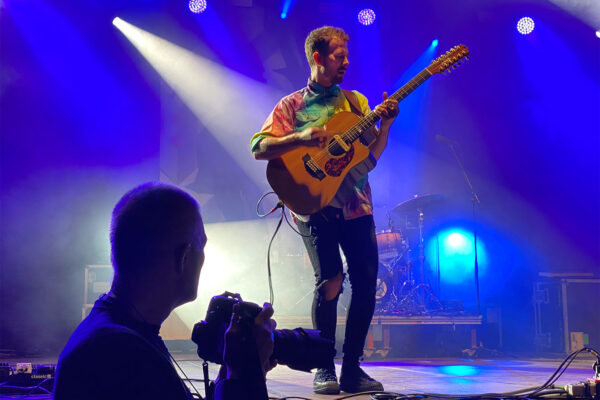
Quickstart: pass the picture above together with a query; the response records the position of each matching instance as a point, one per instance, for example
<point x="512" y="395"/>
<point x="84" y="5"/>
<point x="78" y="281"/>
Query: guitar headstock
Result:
<point x="450" y="59"/>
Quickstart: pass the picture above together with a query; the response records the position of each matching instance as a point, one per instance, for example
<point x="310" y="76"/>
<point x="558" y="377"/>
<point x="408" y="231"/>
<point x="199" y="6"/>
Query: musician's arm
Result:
<point x="271" y="147"/>
<point x="380" y="142"/>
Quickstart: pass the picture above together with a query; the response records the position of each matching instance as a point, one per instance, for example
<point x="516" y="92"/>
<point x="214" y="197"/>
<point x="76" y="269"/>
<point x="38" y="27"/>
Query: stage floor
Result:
<point x="445" y="376"/>
<point x="406" y="376"/>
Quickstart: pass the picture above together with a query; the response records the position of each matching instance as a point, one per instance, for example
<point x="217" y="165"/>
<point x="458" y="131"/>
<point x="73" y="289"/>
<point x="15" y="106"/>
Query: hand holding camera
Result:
<point x="237" y="337"/>
<point x="236" y="332"/>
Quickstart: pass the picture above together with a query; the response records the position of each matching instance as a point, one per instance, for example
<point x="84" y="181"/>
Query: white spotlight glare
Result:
<point x="598" y="33"/>
<point x="366" y="16"/>
<point x="525" y="25"/>
<point x="197" y="6"/>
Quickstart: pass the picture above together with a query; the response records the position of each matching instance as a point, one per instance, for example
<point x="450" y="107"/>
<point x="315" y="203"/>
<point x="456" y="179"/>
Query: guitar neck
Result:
<point x="371" y="118"/>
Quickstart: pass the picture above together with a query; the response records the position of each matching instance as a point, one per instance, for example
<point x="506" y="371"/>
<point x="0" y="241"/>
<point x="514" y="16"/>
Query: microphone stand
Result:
<point x="476" y="203"/>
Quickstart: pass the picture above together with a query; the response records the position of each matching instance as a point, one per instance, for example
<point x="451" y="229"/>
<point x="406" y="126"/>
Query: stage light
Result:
<point x="457" y="241"/>
<point x="598" y="33"/>
<point x="525" y="26"/>
<point x="434" y="43"/>
<point x="366" y="16"/>
<point x="459" y="370"/>
<point x="197" y="6"/>
<point x="209" y="95"/>
<point x="454" y="249"/>
<point x="286" y="5"/>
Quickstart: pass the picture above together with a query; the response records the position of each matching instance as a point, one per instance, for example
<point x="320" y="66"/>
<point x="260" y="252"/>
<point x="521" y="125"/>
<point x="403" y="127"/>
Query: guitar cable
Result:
<point x="278" y="205"/>
<point x="281" y="217"/>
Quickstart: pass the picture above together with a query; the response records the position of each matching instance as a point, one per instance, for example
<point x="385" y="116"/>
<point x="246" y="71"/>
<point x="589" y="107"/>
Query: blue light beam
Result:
<point x="286" y="6"/>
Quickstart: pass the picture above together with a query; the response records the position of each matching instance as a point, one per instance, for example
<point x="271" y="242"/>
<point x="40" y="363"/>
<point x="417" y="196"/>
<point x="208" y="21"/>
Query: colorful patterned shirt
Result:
<point x="314" y="105"/>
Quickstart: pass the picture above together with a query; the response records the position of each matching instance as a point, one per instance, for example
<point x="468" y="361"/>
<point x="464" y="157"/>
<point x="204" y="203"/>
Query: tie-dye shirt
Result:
<point x="314" y="105"/>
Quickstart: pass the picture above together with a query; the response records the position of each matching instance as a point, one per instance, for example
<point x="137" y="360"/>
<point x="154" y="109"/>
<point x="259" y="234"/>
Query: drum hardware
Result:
<point x="416" y="302"/>
<point x="402" y="295"/>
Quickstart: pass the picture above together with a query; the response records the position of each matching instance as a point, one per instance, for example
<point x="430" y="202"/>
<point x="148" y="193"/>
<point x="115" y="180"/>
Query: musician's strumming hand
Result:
<point x="388" y="111"/>
<point x="272" y="147"/>
<point x="312" y="136"/>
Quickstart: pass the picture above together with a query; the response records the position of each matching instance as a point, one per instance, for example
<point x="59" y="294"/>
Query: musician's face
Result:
<point x="335" y="63"/>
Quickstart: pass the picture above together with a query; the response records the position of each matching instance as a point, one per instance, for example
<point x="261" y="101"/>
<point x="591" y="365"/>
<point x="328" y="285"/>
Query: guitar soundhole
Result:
<point x="335" y="166"/>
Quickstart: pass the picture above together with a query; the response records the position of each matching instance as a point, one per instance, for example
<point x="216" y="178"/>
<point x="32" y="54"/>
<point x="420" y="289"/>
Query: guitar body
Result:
<point x="308" y="178"/>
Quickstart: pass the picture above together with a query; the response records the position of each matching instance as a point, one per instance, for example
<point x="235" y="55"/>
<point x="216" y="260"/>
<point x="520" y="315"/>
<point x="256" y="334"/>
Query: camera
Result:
<point x="300" y="349"/>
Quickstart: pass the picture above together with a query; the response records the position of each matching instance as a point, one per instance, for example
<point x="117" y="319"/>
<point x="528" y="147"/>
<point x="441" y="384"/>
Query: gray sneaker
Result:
<point x="355" y="380"/>
<point x="325" y="381"/>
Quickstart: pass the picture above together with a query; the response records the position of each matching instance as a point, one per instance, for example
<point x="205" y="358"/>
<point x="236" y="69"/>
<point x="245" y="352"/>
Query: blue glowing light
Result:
<point x="197" y="6"/>
<point x="286" y="5"/>
<point x="434" y="43"/>
<point x="456" y="255"/>
<point x="459" y="370"/>
<point x="525" y="26"/>
<point x="366" y="16"/>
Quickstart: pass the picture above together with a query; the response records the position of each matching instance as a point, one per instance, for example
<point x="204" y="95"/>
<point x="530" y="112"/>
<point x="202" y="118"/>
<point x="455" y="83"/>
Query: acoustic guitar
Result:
<point x="307" y="179"/>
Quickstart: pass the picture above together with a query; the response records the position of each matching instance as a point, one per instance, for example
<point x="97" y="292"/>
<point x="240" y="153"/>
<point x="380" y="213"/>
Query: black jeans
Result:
<point x="328" y="232"/>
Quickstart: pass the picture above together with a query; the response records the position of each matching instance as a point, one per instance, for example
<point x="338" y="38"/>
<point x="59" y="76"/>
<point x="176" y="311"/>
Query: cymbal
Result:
<point x="423" y="202"/>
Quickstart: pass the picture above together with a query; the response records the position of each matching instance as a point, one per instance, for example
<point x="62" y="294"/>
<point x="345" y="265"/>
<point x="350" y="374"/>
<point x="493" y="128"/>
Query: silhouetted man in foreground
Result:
<point x="157" y="241"/>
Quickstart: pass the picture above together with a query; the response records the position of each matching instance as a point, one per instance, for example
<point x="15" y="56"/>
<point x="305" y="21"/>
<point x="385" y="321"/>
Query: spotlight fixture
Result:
<point x="434" y="43"/>
<point x="366" y="16"/>
<point x="525" y="25"/>
<point x="197" y="6"/>
<point x="598" y="33"/>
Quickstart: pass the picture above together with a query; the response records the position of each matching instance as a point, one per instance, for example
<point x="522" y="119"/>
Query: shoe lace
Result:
<point x="326" y="374"/>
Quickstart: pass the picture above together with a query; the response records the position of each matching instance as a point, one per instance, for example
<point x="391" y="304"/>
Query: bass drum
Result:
<point x="384" y="283"/>
<point x="390" y="245"/>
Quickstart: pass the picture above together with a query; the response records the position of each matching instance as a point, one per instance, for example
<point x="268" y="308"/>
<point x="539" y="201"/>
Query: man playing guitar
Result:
<point x="347" y="221"/>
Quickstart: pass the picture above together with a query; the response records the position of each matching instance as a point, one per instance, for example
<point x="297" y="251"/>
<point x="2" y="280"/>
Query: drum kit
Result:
<point x="401" y="284"/>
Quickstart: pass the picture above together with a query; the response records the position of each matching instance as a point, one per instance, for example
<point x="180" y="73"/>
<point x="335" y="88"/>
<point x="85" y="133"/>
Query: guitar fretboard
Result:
<point x="371" y="118"/>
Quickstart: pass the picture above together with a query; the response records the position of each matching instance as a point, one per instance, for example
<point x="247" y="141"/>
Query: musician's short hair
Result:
<point x="145" y="220"/>
<point x="318" y="40"/>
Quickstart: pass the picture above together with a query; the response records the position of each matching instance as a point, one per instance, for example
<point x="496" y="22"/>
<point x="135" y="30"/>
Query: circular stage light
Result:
<point x="453" y="248"/>
<point x="435" y="42"/>
<point x="525" y="25"/>
<point x="197" y="6"/>
<point x="366" y="16"/>
<point x="598" y="33"/>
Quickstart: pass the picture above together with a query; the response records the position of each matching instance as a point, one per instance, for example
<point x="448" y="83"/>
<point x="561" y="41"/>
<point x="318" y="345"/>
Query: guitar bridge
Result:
<point x="312" y="168"/>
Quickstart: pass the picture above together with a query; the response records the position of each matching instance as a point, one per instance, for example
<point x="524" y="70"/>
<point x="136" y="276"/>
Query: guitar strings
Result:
<point x="400" y="94"/>
<point x="365" y="123"/>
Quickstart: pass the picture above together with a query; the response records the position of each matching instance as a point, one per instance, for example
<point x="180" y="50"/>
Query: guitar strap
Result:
<point x="353" y="100"/>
